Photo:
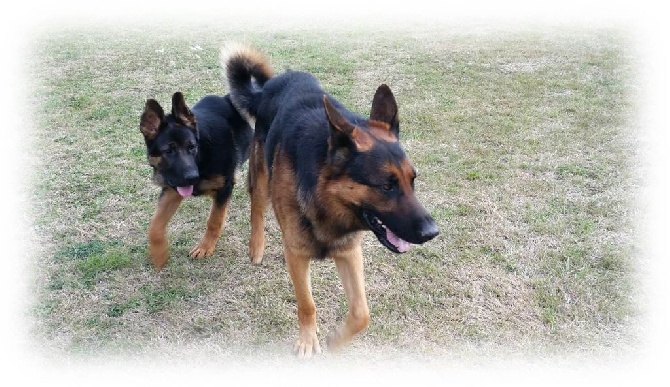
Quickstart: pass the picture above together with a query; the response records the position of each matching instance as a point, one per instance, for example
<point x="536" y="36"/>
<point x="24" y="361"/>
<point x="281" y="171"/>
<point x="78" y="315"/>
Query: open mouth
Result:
<point x="387" y="237"/>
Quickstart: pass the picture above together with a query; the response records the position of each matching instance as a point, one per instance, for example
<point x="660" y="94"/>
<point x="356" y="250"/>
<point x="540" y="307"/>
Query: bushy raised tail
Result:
<point x="246" y="70"/>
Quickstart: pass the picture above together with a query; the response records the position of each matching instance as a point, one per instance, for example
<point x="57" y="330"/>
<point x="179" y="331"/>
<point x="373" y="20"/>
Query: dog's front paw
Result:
<point x="158" y="254"/>
<point x="336" y="340"/>
<point x="307" y="344"/>
<point x="353" y="325"/>
<point x="204" y="249"/>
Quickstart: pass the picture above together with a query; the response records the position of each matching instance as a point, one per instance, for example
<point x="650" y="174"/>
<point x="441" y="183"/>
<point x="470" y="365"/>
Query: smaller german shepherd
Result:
<point x="330" y="174"/>
<point x="193" y="152"/>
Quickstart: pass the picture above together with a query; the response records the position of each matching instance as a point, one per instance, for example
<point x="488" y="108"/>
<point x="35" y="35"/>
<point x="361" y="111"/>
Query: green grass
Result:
<point x="524" y="150"/>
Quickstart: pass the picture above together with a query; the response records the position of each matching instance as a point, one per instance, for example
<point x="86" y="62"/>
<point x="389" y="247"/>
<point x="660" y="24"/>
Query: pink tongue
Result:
<point x="185" y="191"/>
<point x="400" y="244"/>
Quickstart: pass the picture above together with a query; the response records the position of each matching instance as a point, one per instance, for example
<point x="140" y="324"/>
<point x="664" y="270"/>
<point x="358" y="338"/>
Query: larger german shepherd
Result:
<point x="330" y="175"/>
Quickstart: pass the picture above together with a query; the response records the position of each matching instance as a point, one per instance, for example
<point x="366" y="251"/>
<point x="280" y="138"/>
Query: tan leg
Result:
<point x="298" y="268"/>
<point x="158" y="244"/>
<point x="217" y="218"/>
<point x="260" y="200"/>
<point x="350" y="269"/>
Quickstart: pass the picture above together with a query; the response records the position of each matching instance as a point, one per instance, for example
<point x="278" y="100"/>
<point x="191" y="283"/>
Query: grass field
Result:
<point x="525" y="149"/>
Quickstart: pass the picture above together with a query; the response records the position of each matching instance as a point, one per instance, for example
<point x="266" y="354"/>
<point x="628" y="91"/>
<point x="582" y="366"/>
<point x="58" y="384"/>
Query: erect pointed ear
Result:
<point x="181" y="112"/>
<point x="152" y="119"/>
<point x="384" y="108"/>
<point x="343" y="132"/>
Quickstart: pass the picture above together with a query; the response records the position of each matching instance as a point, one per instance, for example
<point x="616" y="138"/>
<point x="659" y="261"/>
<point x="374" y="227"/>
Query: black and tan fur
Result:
<point x="330" y="175"/>
<point x="193" y="152"/>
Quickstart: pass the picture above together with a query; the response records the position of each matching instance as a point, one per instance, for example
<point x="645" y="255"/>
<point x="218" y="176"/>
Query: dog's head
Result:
<point x="172" y="144"/>
<point x="372" y="176"/>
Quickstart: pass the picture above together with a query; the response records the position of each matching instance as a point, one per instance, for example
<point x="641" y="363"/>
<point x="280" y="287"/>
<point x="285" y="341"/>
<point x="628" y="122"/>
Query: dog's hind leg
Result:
<point x="158" y="245"/>
<point x="257" y="184"/>
<point x="350" y="269"/>
<point x="297" y="263"/>
<point x="217" y="217"/>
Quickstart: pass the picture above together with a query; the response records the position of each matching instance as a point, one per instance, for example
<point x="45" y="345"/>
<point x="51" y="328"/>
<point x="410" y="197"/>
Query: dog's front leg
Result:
<point x="350" y="269"/>
<point x="298" y="267"/>
<point x="215" y="222"/>
<point x="168" y="203"/>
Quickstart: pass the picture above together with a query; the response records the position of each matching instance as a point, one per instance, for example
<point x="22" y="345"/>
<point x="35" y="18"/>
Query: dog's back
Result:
<point x="289" y="114"/>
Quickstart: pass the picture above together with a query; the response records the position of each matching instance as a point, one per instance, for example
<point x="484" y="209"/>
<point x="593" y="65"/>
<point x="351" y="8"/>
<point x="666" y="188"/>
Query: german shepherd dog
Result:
<point x="193" y="152"/>
<point x="330" y="174"/>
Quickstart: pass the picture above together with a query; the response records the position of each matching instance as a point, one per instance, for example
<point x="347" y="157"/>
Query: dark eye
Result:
<point x="390" y="185"/>
<point x="169" y="149"/>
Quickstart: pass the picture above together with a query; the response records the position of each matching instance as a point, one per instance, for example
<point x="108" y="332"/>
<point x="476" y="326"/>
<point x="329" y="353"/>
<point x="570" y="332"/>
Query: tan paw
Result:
<point x="158" y="254"/>
<point x="256" y="247"/>
<point x="307" y="345"/>
<point x="204" y="249"/>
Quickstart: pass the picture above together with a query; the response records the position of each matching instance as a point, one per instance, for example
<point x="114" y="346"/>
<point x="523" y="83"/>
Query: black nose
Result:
<point x="191" y="177"/>
<point x="428" y="230"/>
